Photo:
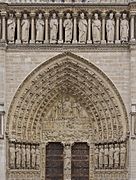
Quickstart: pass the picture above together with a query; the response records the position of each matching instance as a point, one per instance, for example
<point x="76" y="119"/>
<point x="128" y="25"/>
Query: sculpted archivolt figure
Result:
<point x="96" y="29"/>
<point x="124" y="28"/>
<point x="25" y="24"/>
<point x="68" y="25"/>
<point x="53" y="28"/>
<point x="82" y="25"/>
<point x="110" y="27"/>
<point x="12" y="156"/>
<point x="11" y="24"/>
<point x="39" y="29"/>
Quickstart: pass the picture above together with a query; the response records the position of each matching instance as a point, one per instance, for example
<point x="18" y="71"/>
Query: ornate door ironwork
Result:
<point x="80" y="162"/>
<point x="54" y="161"/>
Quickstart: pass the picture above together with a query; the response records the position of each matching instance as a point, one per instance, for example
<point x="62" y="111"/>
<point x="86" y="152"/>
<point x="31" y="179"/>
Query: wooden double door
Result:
<point x="55" y="161"/>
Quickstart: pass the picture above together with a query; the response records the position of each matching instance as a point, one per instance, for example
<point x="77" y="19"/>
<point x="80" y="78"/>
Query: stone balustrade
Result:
<point x="67" y="27"/>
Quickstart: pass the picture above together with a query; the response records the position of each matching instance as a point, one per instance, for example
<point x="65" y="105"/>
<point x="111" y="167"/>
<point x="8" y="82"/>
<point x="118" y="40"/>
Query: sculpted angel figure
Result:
<point x="39" y="28"/>
<point x="68" y="25"/>
<point x="53" y="28"/>
<point x="124" y="28"/>
<point x="96" y="29"/>
<point x="25" y="24"/>
<point x="82" y="25"/>
<point x="11" y="24"/>
<point x="110" y="28"/>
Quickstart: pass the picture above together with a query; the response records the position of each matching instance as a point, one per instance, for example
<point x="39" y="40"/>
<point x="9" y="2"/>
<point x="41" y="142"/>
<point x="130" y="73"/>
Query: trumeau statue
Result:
<point x="11" y="24"/>
<point x="39" y="28"/>
<point x="12" y="156"/>
<point x="124" y="28"/>
<point x="96" y="29"/>
<point x="68" y="25"/>
<point x="53" y="28"/>
<point x="110" y="27"/>
<point x="82" y="25"/>
<point x="25" y="24"/>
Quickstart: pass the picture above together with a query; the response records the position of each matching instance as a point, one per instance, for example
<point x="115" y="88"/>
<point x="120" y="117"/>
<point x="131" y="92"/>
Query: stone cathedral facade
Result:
<point x="68" y="90"/>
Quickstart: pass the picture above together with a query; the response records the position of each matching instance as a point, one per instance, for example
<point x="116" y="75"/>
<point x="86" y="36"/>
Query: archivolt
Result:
<point x="69" y="74"/>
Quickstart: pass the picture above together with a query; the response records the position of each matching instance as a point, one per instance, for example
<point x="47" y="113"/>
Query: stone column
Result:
<point x="117" y="15"/>
<point x="18" y="16"/>
<point x="67" y="161"/>
<point x="32" y="15"/>
<point x="103" y="41"/>
<point x="89" y="41"/>
<point x="3" y="14"/>
<point x="46" y="15"/>
<point x="91" y="161"/>
<point x="75" y="28"/>
<point x="132" y="25"/>
<point x="60" y="28"/>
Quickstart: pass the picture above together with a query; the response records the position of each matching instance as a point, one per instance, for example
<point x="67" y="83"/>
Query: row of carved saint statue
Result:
<point x="24" y="156"/>
<point x="110" y="156"/>
<point x="68" y="29"/>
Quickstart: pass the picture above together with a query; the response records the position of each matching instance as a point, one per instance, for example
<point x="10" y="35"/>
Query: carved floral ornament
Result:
<point x="55" y="92"/>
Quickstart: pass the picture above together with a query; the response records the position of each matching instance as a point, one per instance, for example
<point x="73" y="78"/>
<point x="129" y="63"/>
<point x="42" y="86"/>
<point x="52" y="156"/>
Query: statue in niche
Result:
<point x="124" y="28"/>
<point x="23" y="156"/>
<point x="111" y="153"/>
<point x="25" y="24"/>
<point x="101" y="157"/>
<point x="67" y="160"/>
<point x="53" y="28"/>
<point x="68" y="25"/>
<point x="116" y="156"/>
<point x="96" y="157"/>
<point x="12" y="156"/>
<point x="37" y="157"/>
<point x="18" y="156"/>
<point x="106" y="156"/>
<point x="96" y="29"/>
<point x="33" y="162"/>
<point x="82" y="25"/>
<point x="122" y="156"/>
<point x="110" y="28"/>
<point x="11" y="24"/>
<point x="39" y="29"/>
<point x="28" y="156"/>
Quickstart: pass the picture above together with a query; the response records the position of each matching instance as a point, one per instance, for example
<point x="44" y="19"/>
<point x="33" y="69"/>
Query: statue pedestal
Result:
<point x="18" y="41"/>
<point x="89" y="41"/>
<point x="103" y="41"/>
<point x="117" y="41"/>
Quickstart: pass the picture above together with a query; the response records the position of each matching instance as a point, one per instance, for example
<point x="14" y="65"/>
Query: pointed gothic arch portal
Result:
<point x="67" y="100"/>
